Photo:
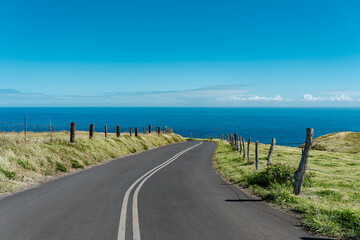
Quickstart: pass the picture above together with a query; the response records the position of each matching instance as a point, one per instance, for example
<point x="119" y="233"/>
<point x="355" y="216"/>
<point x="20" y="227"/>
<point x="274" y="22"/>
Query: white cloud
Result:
<point x="256" y="98"/>
<point x="336" y="98"/>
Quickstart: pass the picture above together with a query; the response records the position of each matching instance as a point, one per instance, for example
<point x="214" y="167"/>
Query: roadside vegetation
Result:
<point x="330" y="200"/>
<point x="40" y="158"/>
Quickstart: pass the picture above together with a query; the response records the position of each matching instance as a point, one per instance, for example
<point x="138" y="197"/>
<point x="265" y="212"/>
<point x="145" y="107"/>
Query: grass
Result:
<point x="24" y="164"/>
<point x="330" y="200"/>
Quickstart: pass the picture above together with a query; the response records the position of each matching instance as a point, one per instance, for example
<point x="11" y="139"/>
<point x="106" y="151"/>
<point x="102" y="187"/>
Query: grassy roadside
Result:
<point x="330" y="200"/>
<point x="24" y="164"/>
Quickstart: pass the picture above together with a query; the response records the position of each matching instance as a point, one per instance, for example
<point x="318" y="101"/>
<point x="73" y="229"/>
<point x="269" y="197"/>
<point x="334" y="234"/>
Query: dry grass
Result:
<point x="343" y="142"/>
<point x="24" y="164"/>
<point x="330" y="205"/>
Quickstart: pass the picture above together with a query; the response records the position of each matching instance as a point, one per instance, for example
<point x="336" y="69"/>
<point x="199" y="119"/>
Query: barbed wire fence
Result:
<point x="7" y="127"/>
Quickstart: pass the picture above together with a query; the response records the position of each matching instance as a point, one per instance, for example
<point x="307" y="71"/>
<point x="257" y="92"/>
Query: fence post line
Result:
<point x="144" y="131"/>
<point x="136" y="132"/>
<point x="72" y="132"/>
<point x="106" y="131"/>
<point x="117" y="131"/>
<point x="299" y="174"/>
<point x="235" y="139"/>
<point x="91" y="133"/>
<point x="130" y="131"/>
<point x="257" y="155"/>
<point x="149" y="128"/>
<point x="269" y="158"/>
<point x="248" y="150"/>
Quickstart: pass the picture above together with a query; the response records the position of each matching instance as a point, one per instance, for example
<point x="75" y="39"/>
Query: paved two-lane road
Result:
<point x="176" y="195"/>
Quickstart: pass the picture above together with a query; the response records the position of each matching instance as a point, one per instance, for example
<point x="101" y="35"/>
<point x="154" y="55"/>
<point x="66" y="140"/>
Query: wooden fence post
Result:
<point x="158" y="130"/>
<point x="243" y="146"/>
<point x="136" y="132"/>
<point x="240" y="140"/>
<point x="235" y="139"/>
<point x="248" y="150"/>
<point x="144" y="131"/>
<point x="149" y="128"/>
<point x="51" y="136"/>
<point x="299" y="174"/>
<point x="25" y="127"/>
<point x="72" y="132"/>
<point x="269" y="158"/>
<point x="106" y="131"/>
<point x="117" y="131"/>
<point x="257" y="155"/>
<point x="91" y="132"/>
<point x="130" y="131"/>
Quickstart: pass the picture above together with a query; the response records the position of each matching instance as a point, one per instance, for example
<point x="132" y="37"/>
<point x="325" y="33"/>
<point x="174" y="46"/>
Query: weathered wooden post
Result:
<point x="130" y="131"/>
<point x="72" y="132"/>
<point x="269" y="158"/>
<point x="51" y="135"/>
<point x="158" y="130"/>
<point x="243" y="146"/>
<point x="25" y="127"/>
<point x="144" y="131"/>
<point x="91" y="132"/>
<point x="299" y="174"/>
<point x="248" y="150"/>
<point x="149" y="128"/>
<point x="257" y="155"/>
<point x="235" y="139"/>
<point x="136" y="132"/>
<point x="117" y="131"/>
<point x="106" y="131"/>
<point x="240" y="140"/>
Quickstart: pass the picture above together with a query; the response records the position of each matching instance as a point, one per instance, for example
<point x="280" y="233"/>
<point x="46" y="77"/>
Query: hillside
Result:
<point x="342" y="142"/>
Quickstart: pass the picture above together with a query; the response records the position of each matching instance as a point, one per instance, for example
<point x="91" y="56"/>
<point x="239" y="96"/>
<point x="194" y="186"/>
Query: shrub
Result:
<point x="276" y="174"/>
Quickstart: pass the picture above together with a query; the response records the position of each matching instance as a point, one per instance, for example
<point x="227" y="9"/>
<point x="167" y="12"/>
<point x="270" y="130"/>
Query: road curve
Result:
<point x="176" y="195"/>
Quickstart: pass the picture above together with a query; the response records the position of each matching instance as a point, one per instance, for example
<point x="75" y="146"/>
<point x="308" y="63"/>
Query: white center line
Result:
<point x="136" y="227"/>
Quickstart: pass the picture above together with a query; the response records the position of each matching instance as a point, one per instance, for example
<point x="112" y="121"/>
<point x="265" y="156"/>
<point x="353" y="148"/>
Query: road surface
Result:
<point x="170" y="192"/>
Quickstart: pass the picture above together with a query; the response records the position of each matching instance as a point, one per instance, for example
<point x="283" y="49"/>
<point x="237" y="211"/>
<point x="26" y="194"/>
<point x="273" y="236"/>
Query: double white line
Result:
<point x="135" y="213"/>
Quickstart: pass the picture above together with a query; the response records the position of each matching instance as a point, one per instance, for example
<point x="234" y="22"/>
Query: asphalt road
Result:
<point x="164" y="193"/>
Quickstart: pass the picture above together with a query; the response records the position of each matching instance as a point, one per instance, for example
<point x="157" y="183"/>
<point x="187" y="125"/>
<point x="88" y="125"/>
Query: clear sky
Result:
<point x="180" y="53"/>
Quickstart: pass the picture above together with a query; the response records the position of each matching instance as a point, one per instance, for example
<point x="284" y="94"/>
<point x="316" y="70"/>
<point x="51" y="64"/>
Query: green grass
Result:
<point x="24" y="164"/>
<point x="330" y="200"/>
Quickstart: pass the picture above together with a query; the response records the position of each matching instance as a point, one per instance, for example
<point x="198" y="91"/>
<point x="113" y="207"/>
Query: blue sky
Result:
<point x="185" y="53"/>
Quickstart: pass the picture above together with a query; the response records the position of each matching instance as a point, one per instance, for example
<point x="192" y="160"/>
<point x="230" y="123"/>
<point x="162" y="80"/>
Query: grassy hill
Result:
<point x="40" y="158"/>
<point x="342" y="142"/>
<point x="330" y="201"/>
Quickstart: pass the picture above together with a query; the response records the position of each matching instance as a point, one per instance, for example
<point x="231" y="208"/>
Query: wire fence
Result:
<point x="20" y="127"/>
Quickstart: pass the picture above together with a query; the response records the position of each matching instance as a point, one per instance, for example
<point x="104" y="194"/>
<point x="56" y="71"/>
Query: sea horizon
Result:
<point x="262" y="124"/>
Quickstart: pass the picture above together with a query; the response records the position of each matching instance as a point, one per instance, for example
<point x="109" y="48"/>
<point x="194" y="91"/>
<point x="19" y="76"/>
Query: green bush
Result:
<point x="60" y="167"/>
<point x="276" y="174"/>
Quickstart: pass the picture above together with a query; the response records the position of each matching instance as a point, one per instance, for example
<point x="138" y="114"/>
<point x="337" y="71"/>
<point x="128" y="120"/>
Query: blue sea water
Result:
<point x="287" y="125"/>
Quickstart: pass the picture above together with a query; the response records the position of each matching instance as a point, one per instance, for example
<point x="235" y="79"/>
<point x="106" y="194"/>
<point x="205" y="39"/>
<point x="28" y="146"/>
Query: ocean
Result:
<point x="287" y="125"/>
